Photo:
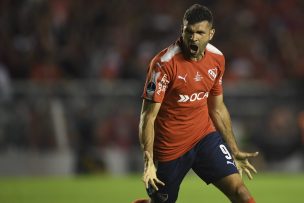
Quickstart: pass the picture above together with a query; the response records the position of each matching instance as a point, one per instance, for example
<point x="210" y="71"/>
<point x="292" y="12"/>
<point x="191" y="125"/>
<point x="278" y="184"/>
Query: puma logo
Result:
<point x="182" y="78"/>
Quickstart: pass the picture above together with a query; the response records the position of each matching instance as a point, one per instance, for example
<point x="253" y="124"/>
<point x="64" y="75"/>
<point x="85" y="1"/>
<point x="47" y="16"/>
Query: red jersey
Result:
<point x="182" y="86"/>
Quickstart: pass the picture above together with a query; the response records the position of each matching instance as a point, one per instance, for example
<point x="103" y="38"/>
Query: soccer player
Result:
<point x="184" y="123"/>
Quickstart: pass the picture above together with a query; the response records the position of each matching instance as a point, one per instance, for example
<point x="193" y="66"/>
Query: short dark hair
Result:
<point x="197" y="13"/>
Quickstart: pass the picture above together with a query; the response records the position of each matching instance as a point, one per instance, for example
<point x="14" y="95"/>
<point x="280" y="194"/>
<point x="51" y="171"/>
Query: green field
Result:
<point x="277" y="188"/>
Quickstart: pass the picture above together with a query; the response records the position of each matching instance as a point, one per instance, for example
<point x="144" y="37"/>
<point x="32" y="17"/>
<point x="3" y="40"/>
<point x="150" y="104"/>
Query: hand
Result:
<point x="242" y="163"/>
<point x="149" y="176"/>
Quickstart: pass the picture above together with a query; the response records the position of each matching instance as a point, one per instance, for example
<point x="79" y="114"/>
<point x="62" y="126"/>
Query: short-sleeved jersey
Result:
<point x="182" y="86"/>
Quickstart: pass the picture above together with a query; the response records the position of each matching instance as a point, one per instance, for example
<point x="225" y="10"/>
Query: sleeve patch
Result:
<point x="151" y="87"/>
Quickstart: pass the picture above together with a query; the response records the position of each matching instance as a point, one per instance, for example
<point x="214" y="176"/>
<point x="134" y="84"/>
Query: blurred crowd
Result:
<point x="54" y="40"/>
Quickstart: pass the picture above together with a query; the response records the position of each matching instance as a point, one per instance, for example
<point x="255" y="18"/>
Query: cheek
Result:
<point x="203" y="44"/>
<point x="204" y="40"/>
<point x="184" y="37"/>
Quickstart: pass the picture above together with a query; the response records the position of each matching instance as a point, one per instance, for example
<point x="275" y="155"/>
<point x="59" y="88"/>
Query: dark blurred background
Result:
<point x="72" y="72"/>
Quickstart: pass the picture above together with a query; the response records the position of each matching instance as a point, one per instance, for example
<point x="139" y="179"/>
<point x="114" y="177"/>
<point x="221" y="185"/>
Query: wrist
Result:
<point x="235" y="151"/>
<point x="148" y="156"/>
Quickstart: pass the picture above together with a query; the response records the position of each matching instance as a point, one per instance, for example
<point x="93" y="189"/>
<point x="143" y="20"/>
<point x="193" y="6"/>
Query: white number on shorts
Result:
<point x="225" y="151"/>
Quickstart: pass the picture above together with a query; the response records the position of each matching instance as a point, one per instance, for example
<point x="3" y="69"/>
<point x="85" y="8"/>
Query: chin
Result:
<point x="195" y="56"/>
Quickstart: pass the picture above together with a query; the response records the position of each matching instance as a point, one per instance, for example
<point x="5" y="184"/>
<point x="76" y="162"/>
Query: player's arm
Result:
<point x="148" y="114"/>
<point x="222" y="121"/>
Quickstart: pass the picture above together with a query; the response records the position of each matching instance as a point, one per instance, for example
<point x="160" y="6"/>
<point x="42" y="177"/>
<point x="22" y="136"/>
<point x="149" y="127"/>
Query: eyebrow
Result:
<point x="191" y="30"/>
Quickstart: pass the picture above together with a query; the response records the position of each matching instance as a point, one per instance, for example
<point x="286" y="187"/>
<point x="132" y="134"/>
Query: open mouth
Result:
<point x="193" y="48"/>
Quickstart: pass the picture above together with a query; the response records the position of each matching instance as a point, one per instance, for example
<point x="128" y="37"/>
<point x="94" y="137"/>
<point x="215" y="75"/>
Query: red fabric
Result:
<point x="251" y="200"/>
<point x="182" y="86"/>
<point x="141" y="201"/>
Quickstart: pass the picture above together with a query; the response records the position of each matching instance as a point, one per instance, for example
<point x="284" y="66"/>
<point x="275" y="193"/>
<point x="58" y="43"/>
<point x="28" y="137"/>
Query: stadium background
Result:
<point x="72" y="72"/>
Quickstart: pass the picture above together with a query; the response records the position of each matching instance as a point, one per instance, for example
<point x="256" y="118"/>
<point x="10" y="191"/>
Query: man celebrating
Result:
<point x="184" y="123"/>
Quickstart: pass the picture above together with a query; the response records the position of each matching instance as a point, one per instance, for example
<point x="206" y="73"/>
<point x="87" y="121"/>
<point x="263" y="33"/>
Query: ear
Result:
<point x="211" y="34"/>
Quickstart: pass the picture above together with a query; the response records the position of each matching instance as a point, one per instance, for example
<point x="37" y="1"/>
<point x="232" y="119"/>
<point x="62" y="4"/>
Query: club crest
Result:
<point x="212" y="73"/>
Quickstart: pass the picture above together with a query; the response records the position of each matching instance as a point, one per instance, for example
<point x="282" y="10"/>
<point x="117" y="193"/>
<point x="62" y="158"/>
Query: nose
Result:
<point x="193" y="37"/>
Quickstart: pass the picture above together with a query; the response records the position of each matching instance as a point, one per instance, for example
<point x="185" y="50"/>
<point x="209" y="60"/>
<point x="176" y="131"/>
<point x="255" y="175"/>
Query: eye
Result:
<point x="201" y="32"/>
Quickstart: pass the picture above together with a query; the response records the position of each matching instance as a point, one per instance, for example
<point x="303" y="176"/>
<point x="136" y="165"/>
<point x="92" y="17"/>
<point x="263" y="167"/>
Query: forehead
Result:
<point x="203" y="25"/>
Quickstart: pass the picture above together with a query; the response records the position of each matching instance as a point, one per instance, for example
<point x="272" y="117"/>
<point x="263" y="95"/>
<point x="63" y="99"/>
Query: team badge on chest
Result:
<point x="212" y="73"/>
